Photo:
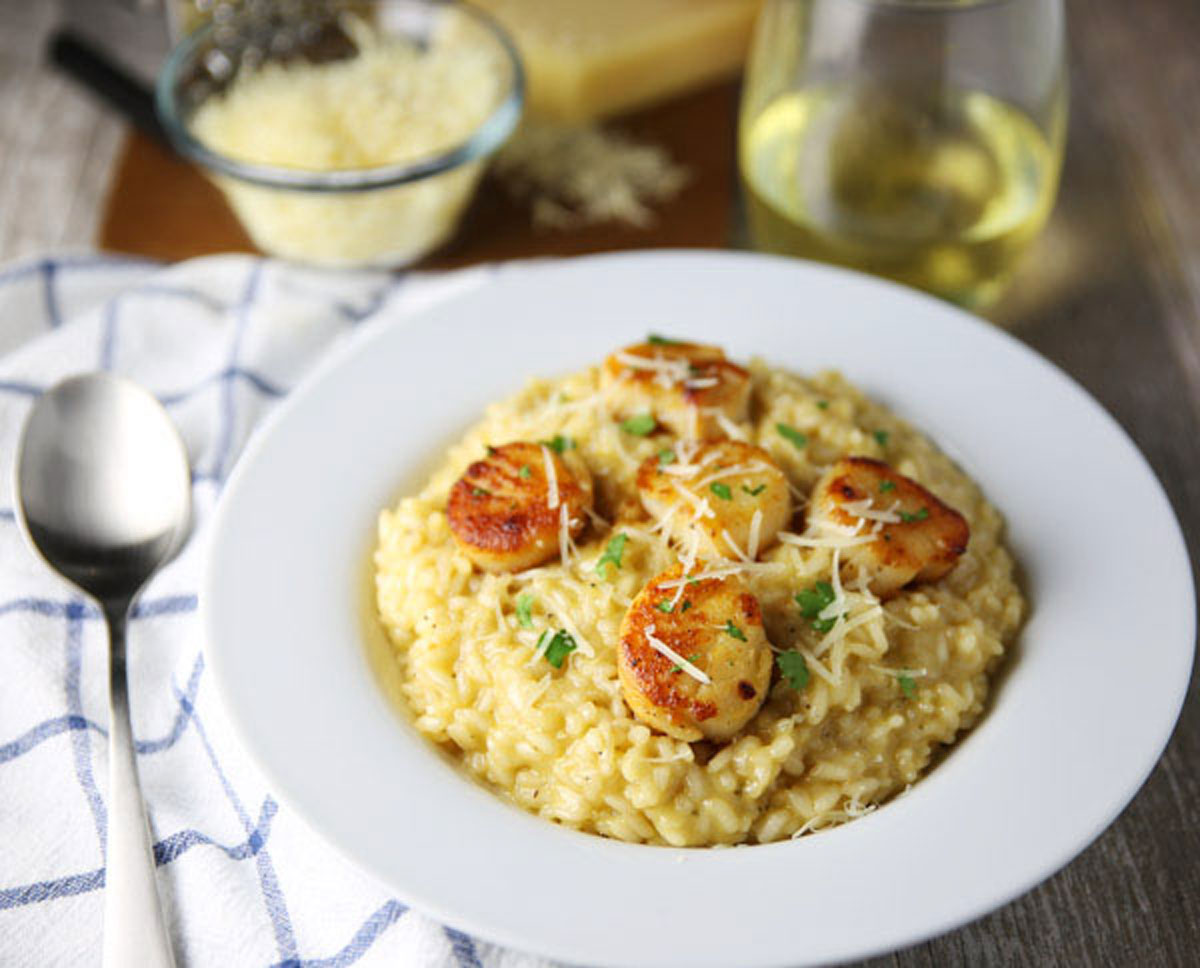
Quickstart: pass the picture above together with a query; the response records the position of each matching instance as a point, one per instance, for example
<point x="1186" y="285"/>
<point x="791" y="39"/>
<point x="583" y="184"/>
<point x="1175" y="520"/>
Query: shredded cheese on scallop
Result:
<point x="551" y="479"/>
<point x="737" y="470"/>
<point x="658" y="645"/>
<point x="824" y="541"/>
<point x="675" y="370"/>
<point x="865" y="509"/>
<point x="663" y="523"/>
<point x="700" y="576"/>
<point x="727" y="425"/>
<point x="755" y="534"/>
<point x="702" y="508"/>
<point x="733" y="545"/>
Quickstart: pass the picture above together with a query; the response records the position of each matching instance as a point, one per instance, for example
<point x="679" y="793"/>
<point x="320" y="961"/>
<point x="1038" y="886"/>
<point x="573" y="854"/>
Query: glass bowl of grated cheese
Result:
<point x="344" y="134"/>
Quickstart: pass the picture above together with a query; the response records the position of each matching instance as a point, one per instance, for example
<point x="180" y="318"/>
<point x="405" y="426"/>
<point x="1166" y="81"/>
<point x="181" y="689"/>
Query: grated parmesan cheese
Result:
<point x="727" y="425"/>
<point x="585" y="175"/>
<point x="702" y="508"/>
<point x="661" y="647"/>
<point x="551" y="479"/>
<point x="865" y="509"/>
<point x="824" y="541"/>
<point x="394" y="102"/>
<point x="844" y="627"/>
<point x="699" y="576"/>
<point x="755" y="533"/>
<point x="733" y="545"/>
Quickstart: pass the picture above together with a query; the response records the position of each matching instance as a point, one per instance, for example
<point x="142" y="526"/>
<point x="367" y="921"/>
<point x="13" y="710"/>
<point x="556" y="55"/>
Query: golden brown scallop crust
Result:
<point x="924" y="546"/>
<point x="716" y="624"/>
<point x="686" y="399"/>
<point x="500" y="509"/>
<point x="725" y="532"/>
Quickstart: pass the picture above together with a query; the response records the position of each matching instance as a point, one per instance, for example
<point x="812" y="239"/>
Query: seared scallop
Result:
<point x="914" y="537"/>
<point x="688" y="387"/>
<point x="515" y="508"/>
<point x="694" y="660"/>
<point x="726" y="500"/>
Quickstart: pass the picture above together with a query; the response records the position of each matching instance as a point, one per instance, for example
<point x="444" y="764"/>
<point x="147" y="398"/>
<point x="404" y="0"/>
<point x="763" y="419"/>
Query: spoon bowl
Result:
<point x="103" y="483"/>
<point x="103" y="493"/>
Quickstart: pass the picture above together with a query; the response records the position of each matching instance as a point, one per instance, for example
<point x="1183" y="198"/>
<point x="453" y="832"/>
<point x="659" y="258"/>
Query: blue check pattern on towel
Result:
<point x="220" y="341"/>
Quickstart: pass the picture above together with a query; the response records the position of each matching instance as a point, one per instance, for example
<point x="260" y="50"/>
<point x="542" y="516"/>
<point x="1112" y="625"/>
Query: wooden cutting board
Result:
<point x="162" y="207"/>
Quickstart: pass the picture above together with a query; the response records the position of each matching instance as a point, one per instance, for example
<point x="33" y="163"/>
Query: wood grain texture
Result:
<point x="160" y="206"/>
<point x="1111" y="293"/>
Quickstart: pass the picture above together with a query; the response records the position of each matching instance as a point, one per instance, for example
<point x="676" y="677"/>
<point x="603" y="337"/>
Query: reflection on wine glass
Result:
<point x="915" y="139"/>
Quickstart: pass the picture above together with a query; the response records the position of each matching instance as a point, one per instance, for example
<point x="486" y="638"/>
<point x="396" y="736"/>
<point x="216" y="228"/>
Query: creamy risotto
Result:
<point x="748" y="610"/>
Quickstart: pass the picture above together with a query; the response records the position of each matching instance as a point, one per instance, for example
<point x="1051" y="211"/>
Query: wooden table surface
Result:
<point x="1111" y="293"/>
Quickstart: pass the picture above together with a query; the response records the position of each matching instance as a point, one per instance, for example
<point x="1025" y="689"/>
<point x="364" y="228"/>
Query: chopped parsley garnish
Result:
<point x="525" y="611"/>
<point x="823" y="405"/>
<point x="721" y="490"/>
<point x="907" y="686"/>
<point x="640" y="425"/>
<point x="612" y="553"/>
<point x="525" y="471"/>
<point x="882" y="437"/>
<point x="693" y="580"/>
<point x="480" y="492"/>
<point x="665" y="606"/>
<point x="754" y="491"/>
<point x="794" y="669"/>
<point x="737" y="633"/>
<point x="666" y="456"/>
<point x="790" y="433"/>
<point x="691" y="658"/>
<point x="655" y="340"/>
<point x="561" y="645"/>
<point x="491" y="451"/>
<point x="687" y="603"/>
<point x="887" y="486"/>
<point x="814" y="601"/>
<point x="558" y="443"/>
<point x="908" y="518"/>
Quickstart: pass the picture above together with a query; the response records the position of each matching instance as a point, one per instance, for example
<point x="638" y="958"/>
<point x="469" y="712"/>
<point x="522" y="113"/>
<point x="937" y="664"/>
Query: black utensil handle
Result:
<point x="98" y="73"/>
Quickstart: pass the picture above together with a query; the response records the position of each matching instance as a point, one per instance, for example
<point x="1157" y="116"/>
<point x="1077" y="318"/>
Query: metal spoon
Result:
<point x="103" y="494"/>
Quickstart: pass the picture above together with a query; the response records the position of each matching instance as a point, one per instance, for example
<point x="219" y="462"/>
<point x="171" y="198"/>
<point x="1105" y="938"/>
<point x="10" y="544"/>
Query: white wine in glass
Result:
<point x="901" y="138"/>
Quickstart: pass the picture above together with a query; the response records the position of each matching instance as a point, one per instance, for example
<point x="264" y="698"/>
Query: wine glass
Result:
<point x="915" y="139"/>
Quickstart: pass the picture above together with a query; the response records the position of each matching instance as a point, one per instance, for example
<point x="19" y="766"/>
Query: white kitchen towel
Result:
<point x="219" y="341"/>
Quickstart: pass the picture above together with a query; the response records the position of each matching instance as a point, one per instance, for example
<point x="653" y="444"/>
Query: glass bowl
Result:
<point x="299" y="170"/>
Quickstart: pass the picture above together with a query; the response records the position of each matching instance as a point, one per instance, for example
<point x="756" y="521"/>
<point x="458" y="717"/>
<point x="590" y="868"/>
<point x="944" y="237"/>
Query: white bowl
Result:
<point x="1081" y="713"/>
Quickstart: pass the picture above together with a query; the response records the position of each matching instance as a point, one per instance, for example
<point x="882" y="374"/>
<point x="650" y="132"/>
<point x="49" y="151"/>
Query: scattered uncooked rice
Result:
<point x="878" y="704"/>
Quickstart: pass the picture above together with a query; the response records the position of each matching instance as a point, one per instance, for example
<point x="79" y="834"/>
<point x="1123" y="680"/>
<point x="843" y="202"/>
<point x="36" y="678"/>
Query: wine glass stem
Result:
<point x="134" y="930"/>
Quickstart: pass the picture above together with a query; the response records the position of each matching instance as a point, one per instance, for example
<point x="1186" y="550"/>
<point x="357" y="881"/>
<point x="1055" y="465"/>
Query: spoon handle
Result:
<point x="134" y="930"/>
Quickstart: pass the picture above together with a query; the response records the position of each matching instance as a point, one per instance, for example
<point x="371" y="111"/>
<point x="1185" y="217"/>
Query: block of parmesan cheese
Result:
<point x="588" y="59"/>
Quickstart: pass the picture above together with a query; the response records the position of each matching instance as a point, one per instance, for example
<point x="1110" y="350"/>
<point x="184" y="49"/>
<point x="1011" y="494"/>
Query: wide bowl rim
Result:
<point x="464" y="856"/>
